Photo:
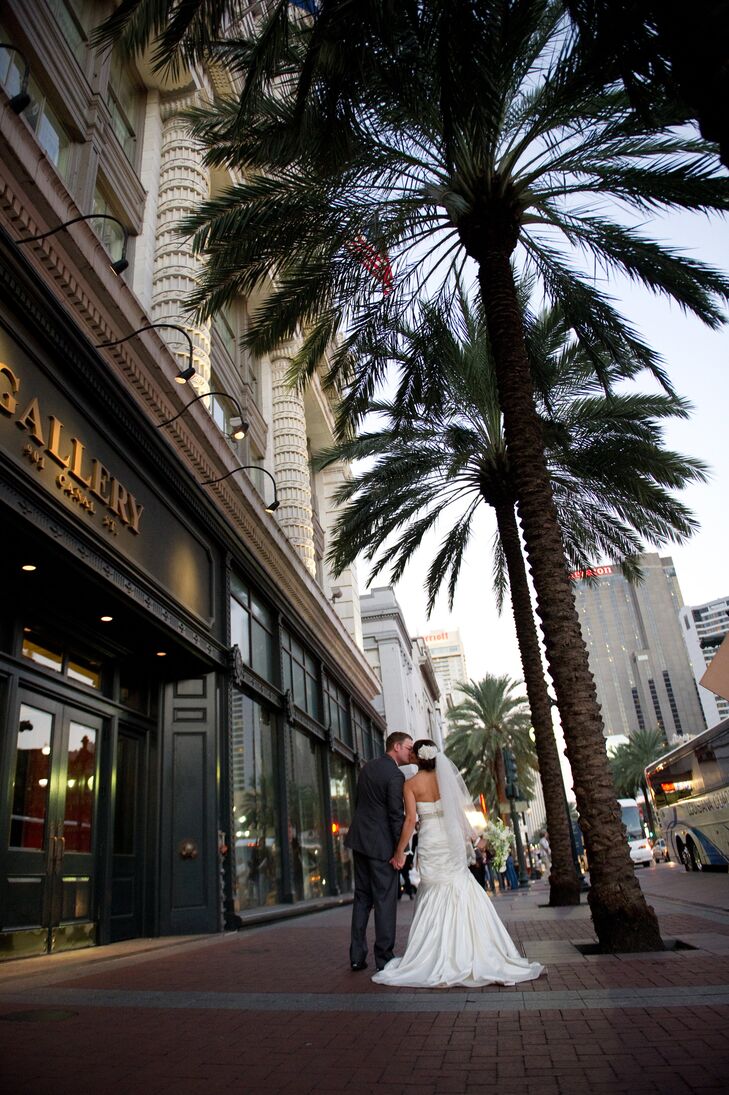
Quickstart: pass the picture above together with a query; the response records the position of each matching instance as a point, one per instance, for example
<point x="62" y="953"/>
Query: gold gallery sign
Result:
<point x="82" y="478"/>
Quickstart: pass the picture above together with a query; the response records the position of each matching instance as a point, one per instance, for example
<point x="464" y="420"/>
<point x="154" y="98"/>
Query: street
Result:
<point x="276" y="1009"/>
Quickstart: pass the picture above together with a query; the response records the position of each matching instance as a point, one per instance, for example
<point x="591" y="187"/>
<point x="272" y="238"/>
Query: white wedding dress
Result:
<point x="456" y="937"/>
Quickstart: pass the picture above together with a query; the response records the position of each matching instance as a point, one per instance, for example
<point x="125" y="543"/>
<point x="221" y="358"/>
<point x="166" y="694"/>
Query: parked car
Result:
<point x="660" y="851"/>
<point x="640" y="853"/>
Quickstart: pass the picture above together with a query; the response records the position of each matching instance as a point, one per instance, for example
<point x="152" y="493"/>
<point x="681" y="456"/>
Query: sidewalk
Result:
<point x="276" y="1009"/>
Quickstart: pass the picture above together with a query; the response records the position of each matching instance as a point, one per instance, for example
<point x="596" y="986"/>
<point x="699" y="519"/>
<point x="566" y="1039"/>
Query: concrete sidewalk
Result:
<point x="276" y="1009"/>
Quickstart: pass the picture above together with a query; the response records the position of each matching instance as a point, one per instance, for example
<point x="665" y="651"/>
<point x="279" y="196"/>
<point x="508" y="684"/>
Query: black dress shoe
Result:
<point x="356" y="966"/>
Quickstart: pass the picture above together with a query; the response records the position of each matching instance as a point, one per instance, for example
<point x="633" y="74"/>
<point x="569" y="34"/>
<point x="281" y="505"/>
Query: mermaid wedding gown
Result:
<point x="456" y="937"/>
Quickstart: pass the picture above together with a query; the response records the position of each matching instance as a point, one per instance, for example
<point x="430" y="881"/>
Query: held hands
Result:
<point x="398" y="861"/>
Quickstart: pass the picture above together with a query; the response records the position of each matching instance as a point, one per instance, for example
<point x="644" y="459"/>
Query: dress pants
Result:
<point x="375" y="886"/>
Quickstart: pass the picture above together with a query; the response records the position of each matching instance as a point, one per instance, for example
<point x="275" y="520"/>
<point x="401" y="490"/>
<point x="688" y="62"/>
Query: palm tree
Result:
<point x="630" y="760"/>
<point x="661" y="51"/>
<point x="439" y="444"/>
<point x="421" y="138"/>
<point x="491" y="718"/>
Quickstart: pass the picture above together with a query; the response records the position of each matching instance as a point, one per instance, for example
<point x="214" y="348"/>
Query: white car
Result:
<point x="660" y="851"/>
<point x="641" y="853"/>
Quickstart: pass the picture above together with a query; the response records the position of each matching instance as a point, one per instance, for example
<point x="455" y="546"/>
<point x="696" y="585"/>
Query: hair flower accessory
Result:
<point x="427" y="752"/>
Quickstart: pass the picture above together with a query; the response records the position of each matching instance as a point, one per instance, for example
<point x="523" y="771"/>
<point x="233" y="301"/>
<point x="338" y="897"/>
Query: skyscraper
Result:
<point x="704" y="629"/>
<point x="636" y="649"/>
<point x="449" y="662"/>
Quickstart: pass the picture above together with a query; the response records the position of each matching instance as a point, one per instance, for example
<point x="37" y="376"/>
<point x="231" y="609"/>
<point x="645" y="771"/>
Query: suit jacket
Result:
<point x="379" y="812"/>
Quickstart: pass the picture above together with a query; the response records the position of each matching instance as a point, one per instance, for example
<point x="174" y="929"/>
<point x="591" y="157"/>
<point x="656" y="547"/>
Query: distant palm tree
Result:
<point x="630" y="760"/>
<point x="491" y="717"/>
<point x="436" y="452"/>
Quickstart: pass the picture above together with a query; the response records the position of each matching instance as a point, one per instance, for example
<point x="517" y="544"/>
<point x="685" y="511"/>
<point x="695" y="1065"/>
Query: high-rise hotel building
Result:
<point x="636" y="650"/>
<point x="449" y="662"/>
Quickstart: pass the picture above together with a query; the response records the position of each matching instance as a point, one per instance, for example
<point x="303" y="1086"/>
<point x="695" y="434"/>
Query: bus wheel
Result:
<point x="694" y="861"/>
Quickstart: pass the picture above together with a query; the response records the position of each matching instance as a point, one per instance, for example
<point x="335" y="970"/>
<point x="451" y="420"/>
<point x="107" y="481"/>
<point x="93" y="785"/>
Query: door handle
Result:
<point x="62" y="852"/>
<point x="54" y="853"/>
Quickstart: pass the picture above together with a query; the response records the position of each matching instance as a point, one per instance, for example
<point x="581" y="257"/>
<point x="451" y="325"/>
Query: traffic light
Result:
<point x="512" y="789"/>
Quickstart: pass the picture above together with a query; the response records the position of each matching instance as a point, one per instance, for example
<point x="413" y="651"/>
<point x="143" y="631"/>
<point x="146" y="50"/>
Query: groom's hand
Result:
<point x="397" y="862"/>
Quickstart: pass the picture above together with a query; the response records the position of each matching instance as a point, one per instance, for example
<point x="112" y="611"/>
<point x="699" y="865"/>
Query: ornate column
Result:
<point x="291" y="463"/>
<point x="183" y="185"/>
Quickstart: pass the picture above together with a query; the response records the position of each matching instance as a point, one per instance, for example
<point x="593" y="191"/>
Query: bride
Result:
<point x="456" y="938"/>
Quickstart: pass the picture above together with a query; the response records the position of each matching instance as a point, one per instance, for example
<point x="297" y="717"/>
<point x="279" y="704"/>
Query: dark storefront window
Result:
<point x="306" y="817"/>
<point x="336" y="710"/>
<point x="300" y="675"/>
<point x="255" y="813"/>
<point x="340" y="784"/>
<point x="31" y="785"/>
<point x="251" y="627"/>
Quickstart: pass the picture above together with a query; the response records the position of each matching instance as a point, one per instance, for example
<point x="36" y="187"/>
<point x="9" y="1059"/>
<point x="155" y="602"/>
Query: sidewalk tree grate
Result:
<point x="588" y="949"/>
<point x="39" y="1015"/>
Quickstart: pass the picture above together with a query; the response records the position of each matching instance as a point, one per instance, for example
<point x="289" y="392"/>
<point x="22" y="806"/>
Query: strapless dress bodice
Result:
<point x="429" y="809"/>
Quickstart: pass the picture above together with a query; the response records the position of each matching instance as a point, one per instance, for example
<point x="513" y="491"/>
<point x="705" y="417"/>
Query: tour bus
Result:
<point x="641" y="852"/>
<point x="690" y="791"/>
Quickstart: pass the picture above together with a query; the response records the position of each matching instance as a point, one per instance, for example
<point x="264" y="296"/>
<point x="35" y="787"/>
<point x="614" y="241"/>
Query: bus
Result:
<point x="640" y="850"/>
<point x="689" y="788"/>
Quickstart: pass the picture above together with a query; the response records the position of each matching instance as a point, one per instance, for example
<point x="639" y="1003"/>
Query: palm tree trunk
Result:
<point x="564" y="885"/>
<point x="623" y="921"/>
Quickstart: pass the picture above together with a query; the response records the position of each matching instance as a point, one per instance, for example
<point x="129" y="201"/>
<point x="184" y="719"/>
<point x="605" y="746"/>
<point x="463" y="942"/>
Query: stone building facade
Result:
<point x="183" y="699"/>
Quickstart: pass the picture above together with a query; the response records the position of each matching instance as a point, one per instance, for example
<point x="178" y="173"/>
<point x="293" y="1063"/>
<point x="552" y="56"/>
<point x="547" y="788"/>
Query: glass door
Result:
<point x="48" y="846"/>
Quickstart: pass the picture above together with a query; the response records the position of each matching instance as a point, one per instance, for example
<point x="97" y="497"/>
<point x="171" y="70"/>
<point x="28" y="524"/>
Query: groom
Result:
<point x="373" y="837"/>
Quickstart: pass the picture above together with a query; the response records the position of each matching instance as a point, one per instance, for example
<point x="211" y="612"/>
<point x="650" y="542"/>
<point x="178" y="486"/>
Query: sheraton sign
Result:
<point x="82" y="477"/>
<point x="593" y="572"/>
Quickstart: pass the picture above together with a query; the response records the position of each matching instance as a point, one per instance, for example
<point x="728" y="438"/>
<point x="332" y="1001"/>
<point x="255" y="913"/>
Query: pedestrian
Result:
<point x="511" y="875"/>
<point x="490" y="870"/>
<point x="373" y="837"/>
<point x="478" y="867"/>
<point x="545" y="851"/>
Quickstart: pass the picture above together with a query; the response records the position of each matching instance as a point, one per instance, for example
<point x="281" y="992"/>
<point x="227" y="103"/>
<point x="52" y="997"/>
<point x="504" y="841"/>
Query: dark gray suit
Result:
<point x="373" y="837"/>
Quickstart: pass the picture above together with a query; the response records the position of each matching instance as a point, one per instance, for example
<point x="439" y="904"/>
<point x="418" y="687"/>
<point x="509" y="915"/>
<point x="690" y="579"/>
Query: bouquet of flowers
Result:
<point x="498" y="838"/>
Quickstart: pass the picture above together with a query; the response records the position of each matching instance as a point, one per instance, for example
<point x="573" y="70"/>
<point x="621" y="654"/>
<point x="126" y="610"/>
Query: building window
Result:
<point x="638" y="709"/>
<point x="672" y="702"/>
<point x="49" y="652"/>
<point x="251" y="627"/>
<point x="300" y="675"/>
<point x="340" y="790"/>
<point x="40" y="116"/>
<point x="109" y="233"/>
<point x="76" y="19"/>
<point x="656" y="704"/>
<point x="307" y="834"/>
<point x="122" y="99"/>
<point x="255" y="810"/>
<point x="336" y="710"/>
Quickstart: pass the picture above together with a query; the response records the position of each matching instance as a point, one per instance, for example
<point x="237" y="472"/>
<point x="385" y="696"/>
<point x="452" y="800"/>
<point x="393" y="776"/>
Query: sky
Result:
<point x="697" y="360"/>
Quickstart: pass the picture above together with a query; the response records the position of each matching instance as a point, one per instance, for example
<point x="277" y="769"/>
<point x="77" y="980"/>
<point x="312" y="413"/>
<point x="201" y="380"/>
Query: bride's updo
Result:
<point x="429" y="748"/>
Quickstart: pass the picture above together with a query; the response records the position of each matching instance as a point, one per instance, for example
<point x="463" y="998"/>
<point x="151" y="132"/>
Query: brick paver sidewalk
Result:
<point x="276" y="1009"/>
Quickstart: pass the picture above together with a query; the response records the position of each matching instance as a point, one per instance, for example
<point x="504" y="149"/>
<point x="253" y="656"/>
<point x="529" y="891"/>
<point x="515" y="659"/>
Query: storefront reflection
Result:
<point x="255" y="815"/>
<point x="306" y="817"/>
<point x="341" y="776"/>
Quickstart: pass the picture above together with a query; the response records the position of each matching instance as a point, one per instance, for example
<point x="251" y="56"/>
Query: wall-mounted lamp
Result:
<point x="119" y="266"/>
<point x="336" y="594"/>
<point x="238" y="424"/>
<point x="184" y="374"/>
<point x="272" y="506"/>
<point x="21" y="99"/>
